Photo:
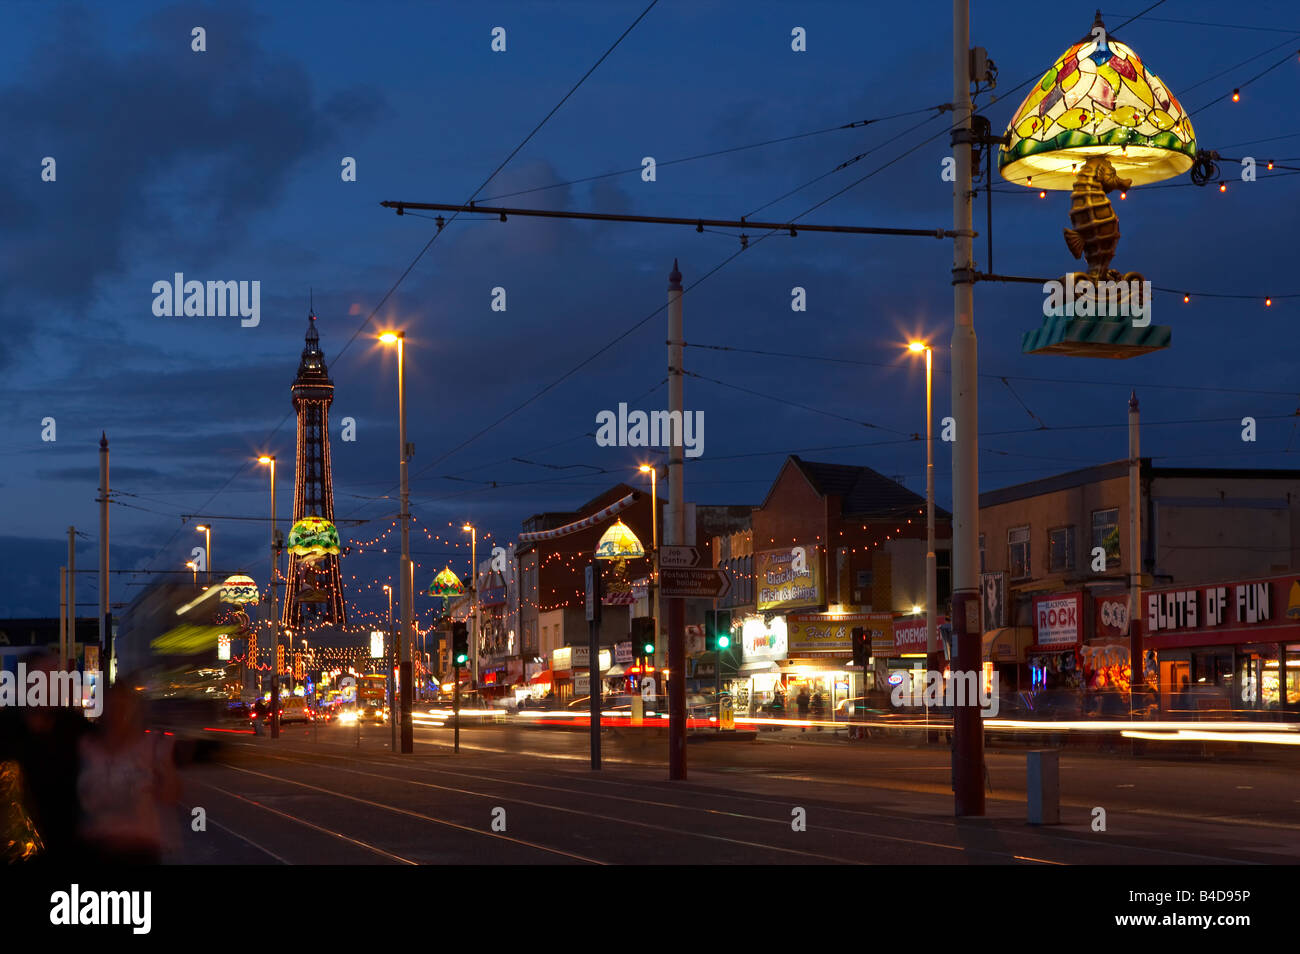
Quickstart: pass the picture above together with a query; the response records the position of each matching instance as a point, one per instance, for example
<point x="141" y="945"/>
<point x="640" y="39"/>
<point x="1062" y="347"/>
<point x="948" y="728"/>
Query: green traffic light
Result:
<point x="649" y="649"/>
<point x="724" y="641"/>
<point x="461" y="659"/>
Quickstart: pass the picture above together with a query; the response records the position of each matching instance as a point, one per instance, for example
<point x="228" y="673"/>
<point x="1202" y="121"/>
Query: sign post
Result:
<point x="593" y="659"/>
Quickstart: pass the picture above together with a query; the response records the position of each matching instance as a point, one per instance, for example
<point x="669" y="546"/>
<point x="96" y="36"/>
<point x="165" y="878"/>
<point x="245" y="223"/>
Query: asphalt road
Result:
<point x="527" y="796"/>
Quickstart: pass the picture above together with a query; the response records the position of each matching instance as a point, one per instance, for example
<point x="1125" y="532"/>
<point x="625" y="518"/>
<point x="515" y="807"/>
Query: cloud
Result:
<point x="155" y="146"/>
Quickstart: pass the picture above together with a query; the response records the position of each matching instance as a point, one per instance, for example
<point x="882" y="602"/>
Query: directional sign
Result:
<point x="700" y="582"/>
<point x="679" y="556"/>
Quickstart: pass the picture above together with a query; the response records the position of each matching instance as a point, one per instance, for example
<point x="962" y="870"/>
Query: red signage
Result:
<point x="1110" y="615"/>
<point x="910" y="635"/>
<point x="1249" y="611"/>
<point x="1057" y="619"/>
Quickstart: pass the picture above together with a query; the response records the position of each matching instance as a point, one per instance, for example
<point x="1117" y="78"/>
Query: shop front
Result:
<point x="1053" y="657"/>
<point x="906" y="654"/>
<point x="758" y="683"/>
<point x="1225" y="649"/>
<point x="819" y="658"/>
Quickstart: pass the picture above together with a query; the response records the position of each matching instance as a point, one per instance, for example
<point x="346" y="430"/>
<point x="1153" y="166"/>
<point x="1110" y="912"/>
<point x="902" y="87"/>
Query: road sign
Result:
<point x="678" y="557"/>
<point x="701" y="582"/>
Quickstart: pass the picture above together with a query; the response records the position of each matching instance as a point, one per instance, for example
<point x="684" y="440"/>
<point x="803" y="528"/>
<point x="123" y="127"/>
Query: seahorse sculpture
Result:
<point x="1096" y="228"/>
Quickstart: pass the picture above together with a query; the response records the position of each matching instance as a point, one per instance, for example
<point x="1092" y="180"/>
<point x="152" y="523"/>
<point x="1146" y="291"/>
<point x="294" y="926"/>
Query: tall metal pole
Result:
<point x="473" y="581"/>
<point x="404" y="634"/>
<point x="72" y="599"/>
<point x="105" y="651"/>
<point x="63" y="615"/>
<point x="1136" y="652"/>
<point x="676" y="535"/>
<point x="968" y="732"/>
<point x="275" y="619"/>
<point x="931" y="569"/>
<point x="388" y="662"/>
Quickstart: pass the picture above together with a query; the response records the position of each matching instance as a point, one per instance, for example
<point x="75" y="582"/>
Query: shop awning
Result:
<point x="543" y="677"/>
<point x="749" y="668"/>
<point x="1008" y="644"/>
<point x="615" y="670"/>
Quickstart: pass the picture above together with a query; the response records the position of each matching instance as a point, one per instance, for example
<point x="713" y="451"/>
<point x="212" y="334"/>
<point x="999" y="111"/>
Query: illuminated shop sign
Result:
<point x="1231" y="612"/>
<point x="789" y="577"/>
<point x="1056" y="619"/>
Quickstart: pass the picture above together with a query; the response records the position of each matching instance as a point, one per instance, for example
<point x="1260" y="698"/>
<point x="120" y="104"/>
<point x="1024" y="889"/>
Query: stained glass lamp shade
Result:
<point x="312" y="539"/>
<point x="446" y="584"/>
<point x="239" y="589"/>
<point x="619" y="543"/>
<point x="1099" y="99"/>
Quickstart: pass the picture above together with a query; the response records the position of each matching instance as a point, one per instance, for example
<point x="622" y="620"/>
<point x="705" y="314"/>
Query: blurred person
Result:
<point x="127" y="785"/>
<point x="803" y="703"/>
<point x="43" y="742"/>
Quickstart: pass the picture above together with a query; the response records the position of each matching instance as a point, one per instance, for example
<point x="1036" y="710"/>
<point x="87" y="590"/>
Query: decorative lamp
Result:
<point x="311" y="539"/>
<point x="1098" y="100"/>
<point x="1097" y="122"/>
<point x="446" y="584"/>
<point x="239" y="589"/>
<point x="619" y="543"/>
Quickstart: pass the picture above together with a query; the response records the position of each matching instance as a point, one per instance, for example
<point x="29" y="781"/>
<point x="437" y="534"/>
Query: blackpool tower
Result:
<point x="315" y="590"/>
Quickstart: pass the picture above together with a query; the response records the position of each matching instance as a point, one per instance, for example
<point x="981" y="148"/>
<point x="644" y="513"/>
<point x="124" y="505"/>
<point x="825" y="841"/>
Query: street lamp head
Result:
<point x="646" y="469"/>
<point x="266" y="459"/>
<point x="467" y="528"/>
<point x="190" y="564"/>
<point x="390" y="337"/>
<point x="201" y="528"/>
<point x="916" y="347"/>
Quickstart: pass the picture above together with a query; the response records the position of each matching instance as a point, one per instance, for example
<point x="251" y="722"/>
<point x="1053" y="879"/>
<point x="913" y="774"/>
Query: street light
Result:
<point x="392" y="723"/>
<point x="194" y="567"/>
<point x="931" y="582"/>
<point x="274" y="612"/>
<point x="654" y="548"/>
<point x="404" y="633"/>
<point x="207" y="548"/>
<point x="473" y="588"/>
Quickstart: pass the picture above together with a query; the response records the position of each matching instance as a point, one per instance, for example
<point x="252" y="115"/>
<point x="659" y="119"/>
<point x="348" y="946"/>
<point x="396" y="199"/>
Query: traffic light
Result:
<point x="459" y="644"/>
<point x="861" y="647"/>
<point x="643" y="635"/>
<point x="717" y="630"/>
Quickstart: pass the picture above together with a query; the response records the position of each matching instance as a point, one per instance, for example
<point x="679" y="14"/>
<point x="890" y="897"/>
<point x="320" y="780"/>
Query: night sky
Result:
<point x="225" y="165"/>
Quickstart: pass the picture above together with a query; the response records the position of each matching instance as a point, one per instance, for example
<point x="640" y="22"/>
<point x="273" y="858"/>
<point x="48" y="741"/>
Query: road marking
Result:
<point x="403" y="811"/>
<point x="574" y="811"/>
<point x="303" y="821"/>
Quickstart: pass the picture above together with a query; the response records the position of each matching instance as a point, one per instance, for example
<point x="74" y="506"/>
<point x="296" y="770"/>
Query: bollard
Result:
<point x="1043" y="786"/>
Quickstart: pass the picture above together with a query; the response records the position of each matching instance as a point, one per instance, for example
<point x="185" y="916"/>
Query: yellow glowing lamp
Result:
<point x="619" y="543"/>
<point x="1098" y="99"/>
<point x="446" y="584"/>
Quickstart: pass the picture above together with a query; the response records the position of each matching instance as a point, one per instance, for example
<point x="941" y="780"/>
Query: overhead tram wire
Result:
<point x="721" y="265"/>
<point x="407" y="271"/>
<point x="983" y="374"/>
<point x="856" y="124"/>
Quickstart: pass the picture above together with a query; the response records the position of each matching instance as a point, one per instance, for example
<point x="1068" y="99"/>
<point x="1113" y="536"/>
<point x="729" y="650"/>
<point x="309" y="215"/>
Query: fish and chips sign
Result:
<point x="809" y="634"/>
<point x="788" y="578"/>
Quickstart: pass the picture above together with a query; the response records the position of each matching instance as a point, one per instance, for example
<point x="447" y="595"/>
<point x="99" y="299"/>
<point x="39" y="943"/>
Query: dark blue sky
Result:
<point x="225" y="165"/>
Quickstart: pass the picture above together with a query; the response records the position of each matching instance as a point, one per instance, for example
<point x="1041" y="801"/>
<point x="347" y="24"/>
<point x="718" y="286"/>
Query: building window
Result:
<point x="1105" y="533"/>
<point x="982" y="570"/>
<point x="1018" y="553"/>
<point x="1060" y="550"/>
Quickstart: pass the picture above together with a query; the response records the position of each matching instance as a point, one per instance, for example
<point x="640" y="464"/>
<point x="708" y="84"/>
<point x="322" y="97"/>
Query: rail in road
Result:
<point x="324" y="802"/>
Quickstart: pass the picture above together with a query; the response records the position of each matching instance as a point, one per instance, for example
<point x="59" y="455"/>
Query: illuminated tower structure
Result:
<point x="315" y="592"/>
